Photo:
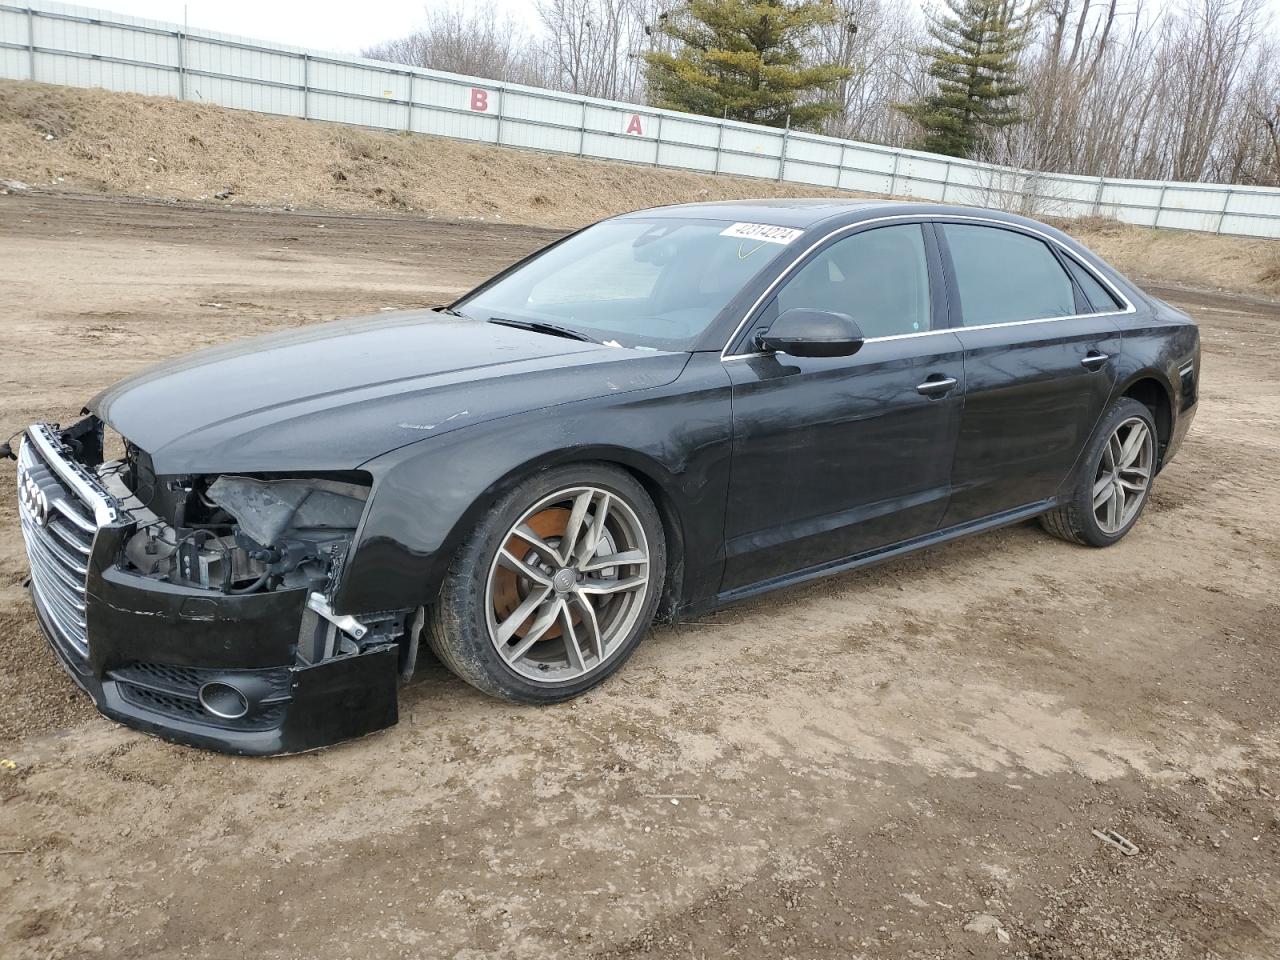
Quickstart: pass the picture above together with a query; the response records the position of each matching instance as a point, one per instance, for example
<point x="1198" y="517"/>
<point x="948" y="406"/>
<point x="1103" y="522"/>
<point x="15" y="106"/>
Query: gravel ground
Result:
<point x="901" y="762"/>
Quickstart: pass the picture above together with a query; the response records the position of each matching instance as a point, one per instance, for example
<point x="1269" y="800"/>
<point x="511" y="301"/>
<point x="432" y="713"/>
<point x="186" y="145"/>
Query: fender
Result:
<point x="1159" y="347"/>
<point x="1146" y="373"/>
<point x="429" y="495"/>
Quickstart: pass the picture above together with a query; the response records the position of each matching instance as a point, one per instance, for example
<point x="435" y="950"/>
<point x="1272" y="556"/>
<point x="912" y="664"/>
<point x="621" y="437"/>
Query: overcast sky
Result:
<point x="338" y="26"/>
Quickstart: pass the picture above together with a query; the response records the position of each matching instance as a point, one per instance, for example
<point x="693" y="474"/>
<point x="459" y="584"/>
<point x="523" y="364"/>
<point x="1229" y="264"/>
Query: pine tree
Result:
<point x="745" y="60"/>
<point x="975" y="62"/>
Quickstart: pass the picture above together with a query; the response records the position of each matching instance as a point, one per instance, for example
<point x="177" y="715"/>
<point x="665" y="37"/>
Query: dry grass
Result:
<point x="1180" y="257"/>
<point x="64" y="137"/>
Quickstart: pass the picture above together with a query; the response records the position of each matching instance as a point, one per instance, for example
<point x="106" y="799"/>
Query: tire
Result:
<point x="579" y="617"/>
<point x="1092" y="515"/>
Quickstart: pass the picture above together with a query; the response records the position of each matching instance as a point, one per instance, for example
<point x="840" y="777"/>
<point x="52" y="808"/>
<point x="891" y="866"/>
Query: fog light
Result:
<point x="223" y="700"/>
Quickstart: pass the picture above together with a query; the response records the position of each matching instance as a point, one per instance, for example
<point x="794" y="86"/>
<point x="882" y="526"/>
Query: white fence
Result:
<point x="56" y="43"/>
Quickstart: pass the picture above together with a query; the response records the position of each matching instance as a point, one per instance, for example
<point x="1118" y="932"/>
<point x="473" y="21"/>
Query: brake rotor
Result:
<point x="509" y="589"/>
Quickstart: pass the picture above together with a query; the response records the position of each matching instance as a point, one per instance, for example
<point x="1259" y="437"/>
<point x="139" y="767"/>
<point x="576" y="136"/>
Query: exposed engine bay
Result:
<point x="235" y="534"/>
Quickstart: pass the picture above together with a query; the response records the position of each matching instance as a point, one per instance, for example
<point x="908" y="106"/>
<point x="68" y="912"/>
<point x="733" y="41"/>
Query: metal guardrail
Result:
<point x="57" y="43"/>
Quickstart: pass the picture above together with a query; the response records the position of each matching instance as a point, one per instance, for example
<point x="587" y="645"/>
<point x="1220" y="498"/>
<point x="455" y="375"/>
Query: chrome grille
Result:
<point x="60" y="510"/>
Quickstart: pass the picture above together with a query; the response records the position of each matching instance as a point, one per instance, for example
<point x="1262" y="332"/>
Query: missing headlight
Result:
<point x="241" y="534"/>
<point x="297" y="529"/>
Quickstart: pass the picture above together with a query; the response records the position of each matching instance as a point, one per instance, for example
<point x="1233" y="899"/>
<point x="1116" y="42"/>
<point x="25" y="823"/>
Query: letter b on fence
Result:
<point x="479" y="100"/>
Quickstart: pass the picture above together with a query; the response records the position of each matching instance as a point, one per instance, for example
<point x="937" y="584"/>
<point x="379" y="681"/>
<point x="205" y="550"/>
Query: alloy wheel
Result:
<point x="568" y="584"/>
<point x="1124" y="475"/>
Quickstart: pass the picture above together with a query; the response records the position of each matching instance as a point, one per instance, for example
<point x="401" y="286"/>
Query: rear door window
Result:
<point x="1004" y="276"/>
<point x="1100" y="298"/>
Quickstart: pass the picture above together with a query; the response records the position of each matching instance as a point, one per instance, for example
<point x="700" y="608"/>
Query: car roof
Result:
<point x="784" y="212"/>
<point x="807" y="212"/>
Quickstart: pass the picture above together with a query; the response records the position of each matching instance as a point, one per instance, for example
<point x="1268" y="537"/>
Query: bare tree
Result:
<point x="879" y="41"/>
<point x="590" y="43"/>
<point x="1135" y="92"/>
<point x="1248" y="149"/>
<point x="471" y="39"/>
<point x="1064" y="73"/>
<point x="1207" y="50"/>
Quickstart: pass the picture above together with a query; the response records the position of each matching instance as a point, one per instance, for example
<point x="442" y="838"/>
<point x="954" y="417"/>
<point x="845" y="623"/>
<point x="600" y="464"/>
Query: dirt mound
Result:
<point x="69" y="138"/>
<point x="1182" y="257"/>
<point x="159" y="147"/>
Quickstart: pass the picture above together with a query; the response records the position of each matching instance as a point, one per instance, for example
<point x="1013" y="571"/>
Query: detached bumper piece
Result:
<point x="198" y="667"/>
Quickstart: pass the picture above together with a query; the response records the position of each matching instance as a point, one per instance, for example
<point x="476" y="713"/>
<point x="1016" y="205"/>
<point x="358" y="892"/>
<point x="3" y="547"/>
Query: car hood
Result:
<point x="333" y="396"/>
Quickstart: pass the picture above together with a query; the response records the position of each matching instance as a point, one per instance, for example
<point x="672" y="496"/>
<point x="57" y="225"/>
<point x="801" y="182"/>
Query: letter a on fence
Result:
<point x="634" y="125"/>
<point x="479" y="100"/>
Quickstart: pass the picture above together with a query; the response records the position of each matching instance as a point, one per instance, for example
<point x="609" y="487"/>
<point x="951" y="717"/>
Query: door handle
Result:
<point x="1094" y="360"/>
<point x="937" y="386"/>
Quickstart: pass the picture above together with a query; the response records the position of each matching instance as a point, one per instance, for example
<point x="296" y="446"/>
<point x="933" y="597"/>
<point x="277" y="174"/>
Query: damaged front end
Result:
<point x="199" y="607"/>
<point x="235" y="534"/>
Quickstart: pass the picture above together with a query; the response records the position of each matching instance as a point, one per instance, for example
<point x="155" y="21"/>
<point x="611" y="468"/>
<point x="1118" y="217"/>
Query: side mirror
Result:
<point x="802" y="332"/>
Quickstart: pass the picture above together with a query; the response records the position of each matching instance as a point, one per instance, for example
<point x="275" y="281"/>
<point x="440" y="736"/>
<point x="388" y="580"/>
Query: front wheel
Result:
<point x="1114" y="481"/>
<point x="554" y="588"/>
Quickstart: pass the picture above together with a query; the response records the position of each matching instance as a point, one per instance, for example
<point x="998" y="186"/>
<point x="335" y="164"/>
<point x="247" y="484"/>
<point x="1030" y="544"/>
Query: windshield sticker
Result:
<point x="764" y="232"/>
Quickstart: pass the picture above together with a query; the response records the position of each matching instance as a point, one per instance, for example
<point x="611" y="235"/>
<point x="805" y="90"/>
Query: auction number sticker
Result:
<point x="764" y="232"/>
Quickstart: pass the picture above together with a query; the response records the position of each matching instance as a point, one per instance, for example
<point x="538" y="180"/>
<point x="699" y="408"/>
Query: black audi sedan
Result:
<point x="659" y="414"/>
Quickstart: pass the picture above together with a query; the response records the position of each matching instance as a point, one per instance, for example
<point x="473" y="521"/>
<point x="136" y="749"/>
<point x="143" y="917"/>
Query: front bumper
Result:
<point x="143" y="649"/>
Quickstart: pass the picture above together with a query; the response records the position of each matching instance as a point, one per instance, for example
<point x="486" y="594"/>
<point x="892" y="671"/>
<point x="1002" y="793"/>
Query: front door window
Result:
<point x="879" y="277"/>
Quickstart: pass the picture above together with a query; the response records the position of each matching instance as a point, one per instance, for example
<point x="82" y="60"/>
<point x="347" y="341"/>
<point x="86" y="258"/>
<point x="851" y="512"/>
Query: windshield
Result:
<point x="635" y="282"/>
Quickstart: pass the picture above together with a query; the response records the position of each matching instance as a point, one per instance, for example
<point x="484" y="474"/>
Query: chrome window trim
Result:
<point x="51" y="452"/>
<point x="930" y="218"/>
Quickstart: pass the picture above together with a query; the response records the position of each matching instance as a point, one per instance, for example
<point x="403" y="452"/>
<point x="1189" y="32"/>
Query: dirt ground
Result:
<point x="861" y="767"/>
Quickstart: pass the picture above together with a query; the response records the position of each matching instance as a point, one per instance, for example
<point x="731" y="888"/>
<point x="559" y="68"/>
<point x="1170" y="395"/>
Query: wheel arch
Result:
<point x="1153" y="391"/>
<point x="657" y="480"/>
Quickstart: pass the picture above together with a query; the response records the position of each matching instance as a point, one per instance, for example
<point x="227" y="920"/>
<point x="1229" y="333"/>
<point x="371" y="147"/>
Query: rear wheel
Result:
<point x="1114" y="481"/>
<point x="554" y="588"/>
